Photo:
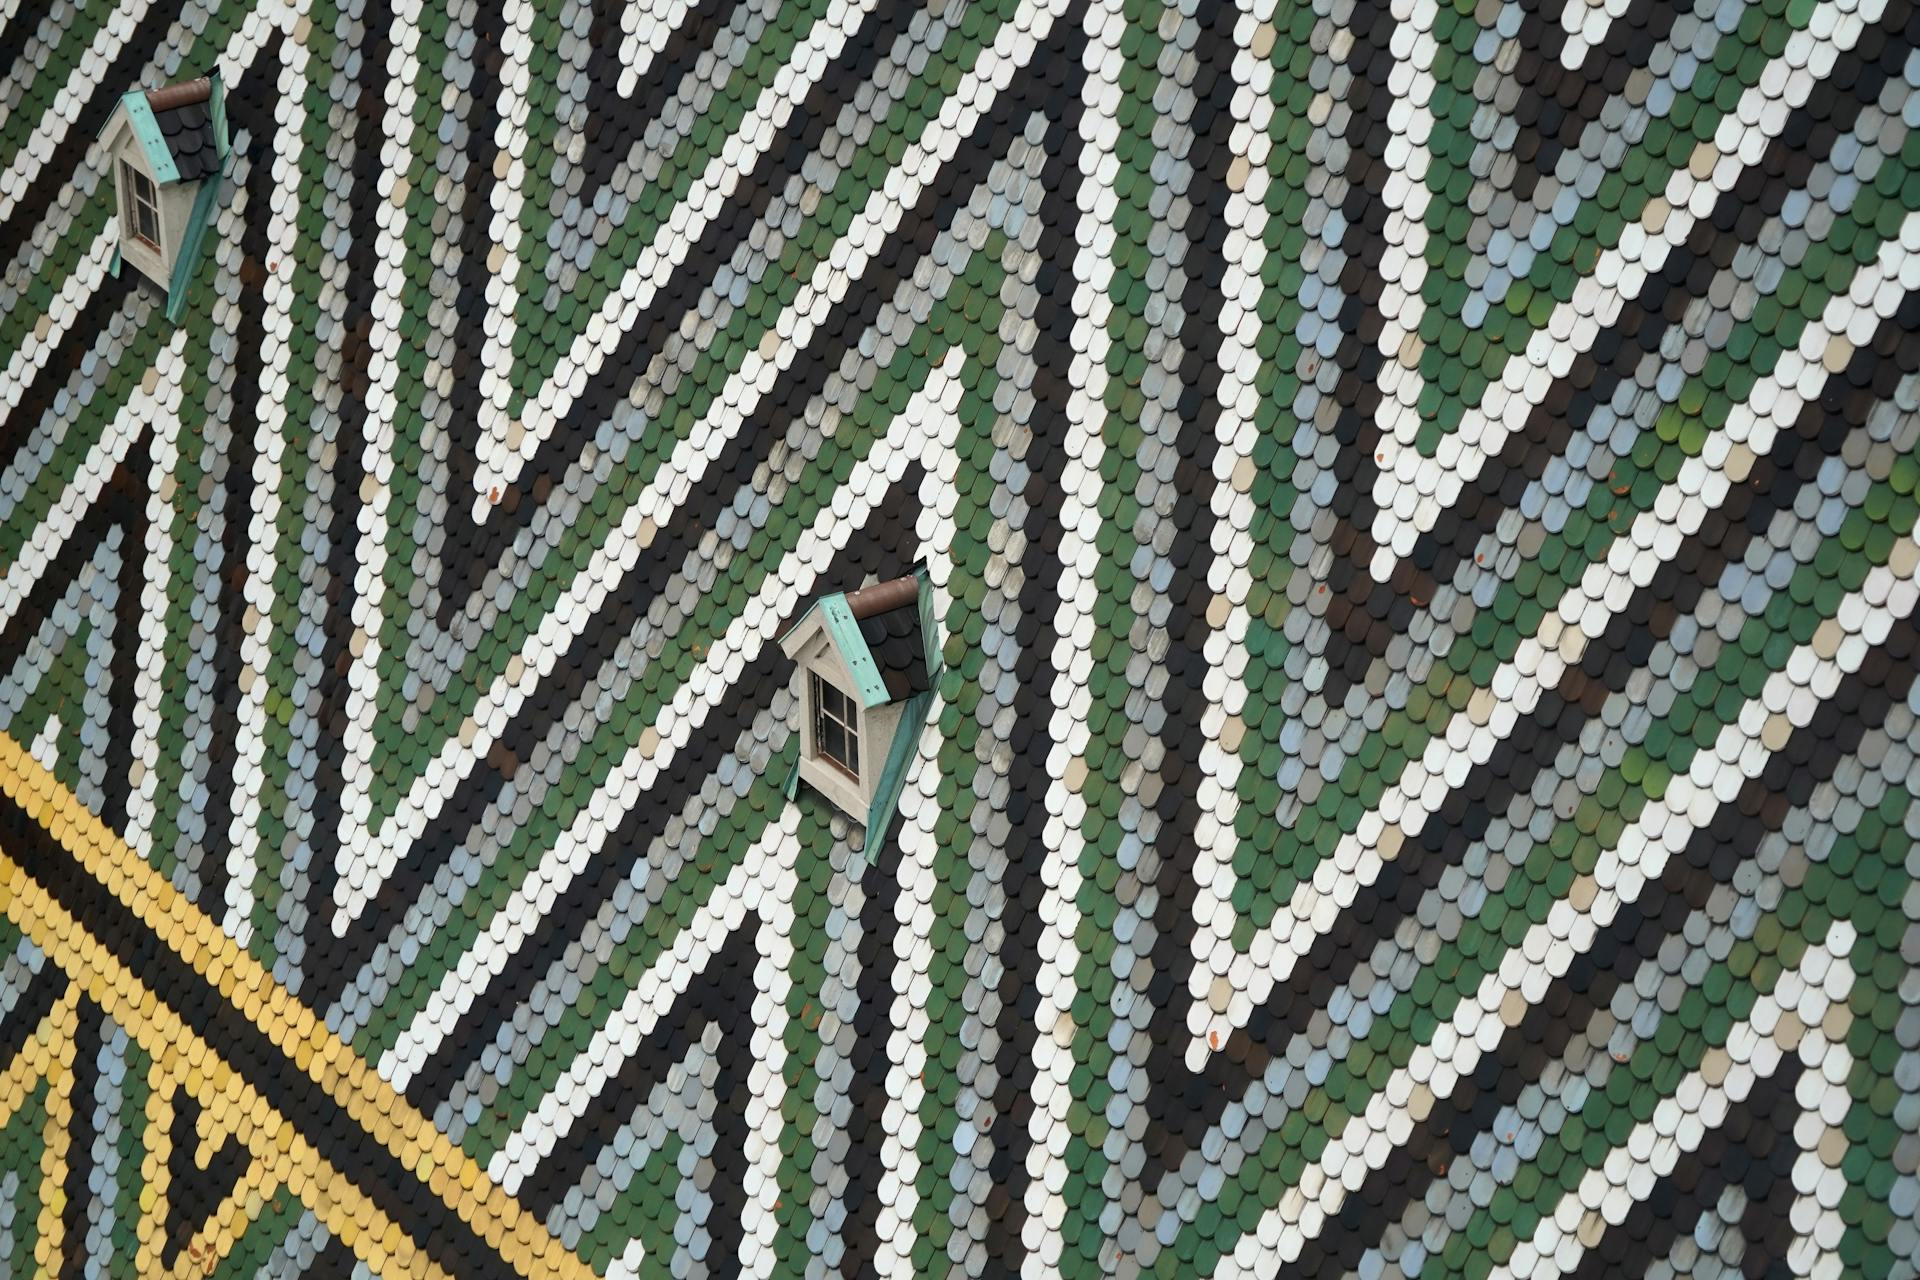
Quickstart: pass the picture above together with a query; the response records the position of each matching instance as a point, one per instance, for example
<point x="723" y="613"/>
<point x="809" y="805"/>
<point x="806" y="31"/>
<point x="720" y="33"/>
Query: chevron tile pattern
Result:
<point x="1419" y="500"/>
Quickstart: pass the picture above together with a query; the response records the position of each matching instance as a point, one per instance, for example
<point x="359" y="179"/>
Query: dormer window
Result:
<point x="139" y="205"/>
<point x="867" y="668"/>
<point x="168" y="151"/>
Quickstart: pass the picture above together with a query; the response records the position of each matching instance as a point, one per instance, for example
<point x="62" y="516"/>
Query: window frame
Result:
<point x="138" y="193"/>
<point x="845" y="716"/>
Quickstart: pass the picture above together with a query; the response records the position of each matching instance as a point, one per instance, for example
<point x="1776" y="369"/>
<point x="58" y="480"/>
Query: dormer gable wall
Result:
<point x="812" y="647"/>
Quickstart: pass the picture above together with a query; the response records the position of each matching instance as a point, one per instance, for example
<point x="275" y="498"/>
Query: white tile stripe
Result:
<point x="760" y="882"/>
<point x="45" y="747"/>
<point x="1236" y="433"/>
<point x="151" y="655"/>
<point x="1804" y="1016"/>
<point x="108" y="452"/>
<point x="1058" y="956"/>
<point x="646" y="26"/>
<point x="502" y="322"/>
<point x="83" y="84"/>
<point x="1586" y="23"/>
<point x="1741" y="751"/>
<point x="895" y="1234"/>
<point x="627" y="1265"/>
<point x="31" y="356"/>
<point x="899" y="1193"/>
<point x="507" y="445"/>
<point x="1412" y="491"/>
<point x="646" y="759"/>
<point x="371" y="857"/>
<point x="1815" y="1216"/>
<point x="767" y="1080"/>
<point x="377" y="461"/>
<point x="1849" y="322"/>
<point x="263" y="531"/>
<point x="1403" y="267"/>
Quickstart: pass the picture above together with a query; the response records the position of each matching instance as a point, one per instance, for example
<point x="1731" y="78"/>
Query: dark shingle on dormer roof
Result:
<point x="898" y="649"/>
<point x="186" y="122"/>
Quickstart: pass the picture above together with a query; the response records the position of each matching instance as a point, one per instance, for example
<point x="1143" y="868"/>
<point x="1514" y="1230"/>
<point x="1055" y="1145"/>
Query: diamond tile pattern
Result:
<point x="1419" y="500"/>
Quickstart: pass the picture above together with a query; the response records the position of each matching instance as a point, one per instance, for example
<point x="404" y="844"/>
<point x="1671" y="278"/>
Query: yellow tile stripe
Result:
<point x="47" y="1055"/>
<point x="374" y="1237"/>
<point x="329" y="1061"/>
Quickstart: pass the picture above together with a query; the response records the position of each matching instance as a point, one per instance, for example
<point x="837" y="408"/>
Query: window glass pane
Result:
<point x="142" y="213"/>
<point x="836" y="734"/>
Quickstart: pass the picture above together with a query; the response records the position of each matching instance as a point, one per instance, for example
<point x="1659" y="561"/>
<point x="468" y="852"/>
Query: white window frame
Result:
<point x="132" y="198"/>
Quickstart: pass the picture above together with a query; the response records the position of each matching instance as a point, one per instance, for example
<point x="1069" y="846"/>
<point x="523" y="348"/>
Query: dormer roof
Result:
<point x="181" y="128"/>
<point x="880" y="632"/>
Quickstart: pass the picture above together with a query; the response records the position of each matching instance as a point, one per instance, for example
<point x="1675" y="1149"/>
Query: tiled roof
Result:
<point x="1418" y="503"/>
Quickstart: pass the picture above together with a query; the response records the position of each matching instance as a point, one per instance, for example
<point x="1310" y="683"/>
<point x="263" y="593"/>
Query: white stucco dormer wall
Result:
<point x="815" y="652"/>
<point x="176" y="207"/>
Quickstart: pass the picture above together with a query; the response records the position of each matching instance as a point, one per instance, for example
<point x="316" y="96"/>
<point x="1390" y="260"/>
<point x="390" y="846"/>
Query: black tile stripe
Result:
<point x="338" y="1138"/>
<point x="1558" y="106"/>
<point x="120" y="508"/>
<point x="622" y="127"/>
<point x="81" y="1137"/>
<point x="1378" y="909"/>
<point x="125" y="498"/>
<point x="1810" y="758"/>
<point x="943" y="199"/>
<point x="888" y="23"/>
<point x="193" y="1193"/>
<point x="93" y="528"/>
<point x="614" y="126"/>
<point x="1184" y="736"/>
<point x="867" y="1091"/>
<point x="1360" y="604"/>
<point x="333" y="1261"/>
<point x="1177" y="1098"/>
<point x="1023" y="885"/>
<point x="37" y="998"/>
<point x="66" y="357"/>
<point x="1759" y="193"/>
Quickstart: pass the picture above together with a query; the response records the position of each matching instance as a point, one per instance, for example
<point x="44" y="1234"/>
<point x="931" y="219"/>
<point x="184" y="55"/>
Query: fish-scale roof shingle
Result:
<point x="1418" y="509"/>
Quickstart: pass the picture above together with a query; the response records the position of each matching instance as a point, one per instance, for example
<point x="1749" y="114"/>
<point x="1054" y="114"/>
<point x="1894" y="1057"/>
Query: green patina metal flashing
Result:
<point x="146" y="130"/>
<point x="845" y="630"/>
<point x="189" y="255"/>
<point x="222" y="146"/>
<point x="929" y="632"/>
<point x="893" y="778"/>
<point x="906" y="736"/>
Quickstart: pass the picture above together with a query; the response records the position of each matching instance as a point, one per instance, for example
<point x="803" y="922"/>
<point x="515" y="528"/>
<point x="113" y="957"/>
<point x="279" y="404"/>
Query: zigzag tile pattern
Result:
<point x="1419" y="498"/>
